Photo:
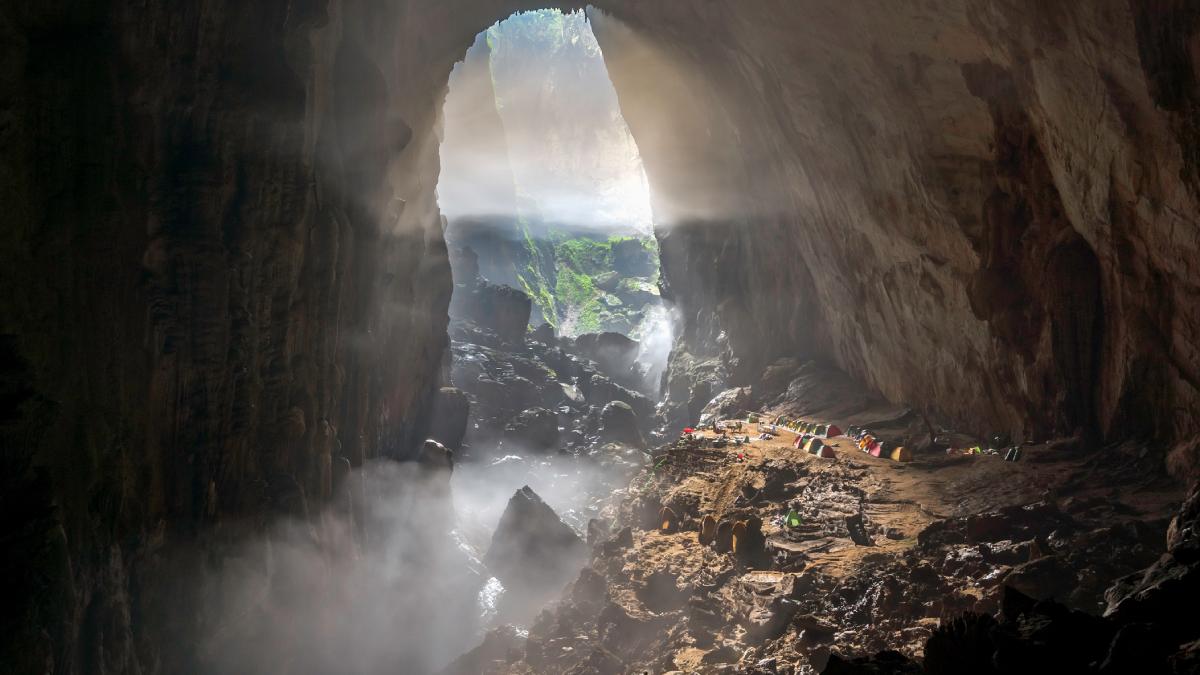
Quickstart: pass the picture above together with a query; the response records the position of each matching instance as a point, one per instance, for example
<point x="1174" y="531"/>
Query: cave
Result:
<point x="287" y="388"/>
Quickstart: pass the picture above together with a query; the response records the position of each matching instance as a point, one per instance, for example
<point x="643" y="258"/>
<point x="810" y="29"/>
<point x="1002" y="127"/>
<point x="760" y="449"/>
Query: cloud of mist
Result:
<point x="532" y="129"/>
<point x="400" y="588"/>
<point x="678" y="108"/>
<point x="655" y="336"/>
<point x="392" y="592"/>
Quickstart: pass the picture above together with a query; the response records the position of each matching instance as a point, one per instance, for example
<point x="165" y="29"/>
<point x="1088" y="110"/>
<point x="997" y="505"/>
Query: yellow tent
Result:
<point x="901" y="454"/>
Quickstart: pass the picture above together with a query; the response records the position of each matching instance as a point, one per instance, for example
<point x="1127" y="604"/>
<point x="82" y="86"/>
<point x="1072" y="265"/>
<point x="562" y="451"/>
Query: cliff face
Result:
<point x="224" y="279"/>
<point x="216" y="298"/>
<point x="985" y="209"/>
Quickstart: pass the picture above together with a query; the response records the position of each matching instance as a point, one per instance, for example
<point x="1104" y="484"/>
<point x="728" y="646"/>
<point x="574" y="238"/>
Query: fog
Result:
<point x="655" y="336"/>
<point x="532" y="129"/>
<point x="400" y="587"/>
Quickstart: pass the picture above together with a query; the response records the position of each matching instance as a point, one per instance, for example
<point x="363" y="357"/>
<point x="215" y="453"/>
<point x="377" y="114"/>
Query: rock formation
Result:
<point x="917" y="195"/>
<point x="532" y="547"/>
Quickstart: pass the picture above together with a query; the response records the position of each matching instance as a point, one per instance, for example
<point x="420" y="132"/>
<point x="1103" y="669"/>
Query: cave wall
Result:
<point x="987" y="210"/>
<point x="224" y="284"/>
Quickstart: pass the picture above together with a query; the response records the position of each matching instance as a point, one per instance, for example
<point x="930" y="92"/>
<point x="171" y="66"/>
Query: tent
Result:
<point x="832" y="431"/>
<point x="865" y="442"/>
<point x="826" y="452"/>
<point x="814" y="444"/>
<point x="901" y="454"/>
<point x="876" y="449"/>
<point x="793" y="518"/>
<point x="799" y="442"/>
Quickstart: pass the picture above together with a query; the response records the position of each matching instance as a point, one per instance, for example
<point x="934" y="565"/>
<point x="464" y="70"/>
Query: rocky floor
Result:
<point x="757" y="556"/>
<point x="885" y="552"/>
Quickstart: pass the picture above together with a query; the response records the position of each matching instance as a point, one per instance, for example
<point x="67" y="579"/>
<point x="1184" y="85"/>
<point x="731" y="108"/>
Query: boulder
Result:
<point x="451" y="408"/>
<point x="532" y="547"/>
<point x="619" y="424"/>
<point x="632" y="258"/>
<point x="730" y="403"/>
<point x="435" y="457"/>
<point x="502" y="644"/>
<point x="502" y="309"/>
<point x="883" y="663"/>
<point x="534" y="429"/>
<point x="599" y="390"/>
<point x="615" y="354"/>
<point x="543" y="333"/>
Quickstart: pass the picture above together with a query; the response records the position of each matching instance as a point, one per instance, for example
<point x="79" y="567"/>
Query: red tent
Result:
<point x="833" y="431"/>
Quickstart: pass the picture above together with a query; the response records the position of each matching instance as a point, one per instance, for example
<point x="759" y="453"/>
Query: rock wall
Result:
<point x="987" y="210"/>
<point x="224" y="283"/>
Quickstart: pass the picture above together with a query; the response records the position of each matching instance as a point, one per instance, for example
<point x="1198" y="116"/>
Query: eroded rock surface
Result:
<point x="972" y="205"/>
<point x="532" y="547"/>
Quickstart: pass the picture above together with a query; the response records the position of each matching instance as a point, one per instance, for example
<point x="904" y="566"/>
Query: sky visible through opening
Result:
<point x="542" y="180"/>
<point x="566" y="156"/>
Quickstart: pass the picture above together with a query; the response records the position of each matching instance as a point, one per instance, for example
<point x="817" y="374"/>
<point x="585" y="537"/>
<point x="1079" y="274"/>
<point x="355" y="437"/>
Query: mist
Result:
<point x="399" y="587"/>
<point x="532" y="130"/>
<point x="655" y="337"/>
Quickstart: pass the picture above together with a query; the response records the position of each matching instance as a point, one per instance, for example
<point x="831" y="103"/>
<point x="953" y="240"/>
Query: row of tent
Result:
<point x="875" y="447"/>
<point x="813" y="445"/>
<point x="801" y="427"/>
<point x="809" y="437"/>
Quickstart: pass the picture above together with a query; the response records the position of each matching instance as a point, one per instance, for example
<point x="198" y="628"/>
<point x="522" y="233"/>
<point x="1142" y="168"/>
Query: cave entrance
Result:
<point x="542" y="185"/>
<point x="558" y="331"/>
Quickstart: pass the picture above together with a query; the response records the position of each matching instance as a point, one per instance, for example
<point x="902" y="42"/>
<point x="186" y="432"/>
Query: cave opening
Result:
<point x="542" y="186"/>
<point x="558" y="331"/>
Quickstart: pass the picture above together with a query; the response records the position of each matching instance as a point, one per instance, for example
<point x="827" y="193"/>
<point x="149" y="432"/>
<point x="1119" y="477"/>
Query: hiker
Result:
<point x="708" y="530"/>
<point x="746" y="536"/>
<point x="723" y="538"/>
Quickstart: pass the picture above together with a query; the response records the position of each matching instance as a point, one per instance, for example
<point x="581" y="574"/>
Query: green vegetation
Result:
<point x="569" y="277"/>
<point x="577" y="290"/>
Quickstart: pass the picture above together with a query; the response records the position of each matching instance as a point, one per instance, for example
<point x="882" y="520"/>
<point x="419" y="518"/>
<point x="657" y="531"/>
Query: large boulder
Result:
<point x="451" y="408"/>
<point x="730" y="403"/>
<point x="532" y="547"/>
<point x="608" y="348"/>
<point x="619" y="424"/>
<point x="599" y="390"/>
<point x="502" y="309"/>
<point x="533" y="429"/>
<point x="632" y="258"/>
